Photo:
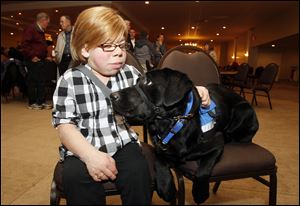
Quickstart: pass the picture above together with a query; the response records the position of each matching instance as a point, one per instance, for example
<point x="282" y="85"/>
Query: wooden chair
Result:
<point x="239" y="160"/>
<point x="13" y="75"/>
<point x="254" y="77"/>
<point x="240" y="79"/>
<point x="200" y="67"/>
<point x="265" y="83"/>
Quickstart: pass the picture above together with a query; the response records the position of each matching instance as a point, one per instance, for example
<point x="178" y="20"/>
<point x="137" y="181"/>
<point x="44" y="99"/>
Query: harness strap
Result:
<point x="207" y="118"/>
<point x="179" y="124"/>
<point x="146" y="100"/>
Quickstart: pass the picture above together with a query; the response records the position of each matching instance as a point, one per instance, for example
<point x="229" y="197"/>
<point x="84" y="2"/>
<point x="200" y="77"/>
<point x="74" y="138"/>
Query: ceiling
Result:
<point x="177" y="17"/>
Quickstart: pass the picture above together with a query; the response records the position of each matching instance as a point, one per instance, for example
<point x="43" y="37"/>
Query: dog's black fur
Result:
<point x="163" y="95"/>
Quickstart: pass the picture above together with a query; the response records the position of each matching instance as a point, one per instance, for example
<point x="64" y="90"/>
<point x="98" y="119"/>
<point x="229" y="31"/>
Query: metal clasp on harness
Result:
<point x="188" y="116"/>
<point x="162" y="146"/>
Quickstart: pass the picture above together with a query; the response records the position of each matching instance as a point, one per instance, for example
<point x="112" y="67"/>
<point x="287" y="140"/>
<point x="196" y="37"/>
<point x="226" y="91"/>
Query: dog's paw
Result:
<point x="165" y="185"/>
<point x="200" y="191"/>
<point x="167" y="193"/>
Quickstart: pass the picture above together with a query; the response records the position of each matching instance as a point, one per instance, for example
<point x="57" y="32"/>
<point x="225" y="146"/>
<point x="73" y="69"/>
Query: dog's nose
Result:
<point x="115" y="96"/>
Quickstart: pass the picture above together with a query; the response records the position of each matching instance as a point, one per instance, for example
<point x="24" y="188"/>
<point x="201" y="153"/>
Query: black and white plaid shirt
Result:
<point x="78" y="100"/>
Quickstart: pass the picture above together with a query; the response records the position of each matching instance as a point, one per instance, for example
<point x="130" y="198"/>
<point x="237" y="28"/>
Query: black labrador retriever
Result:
<point x="180" y="129"/>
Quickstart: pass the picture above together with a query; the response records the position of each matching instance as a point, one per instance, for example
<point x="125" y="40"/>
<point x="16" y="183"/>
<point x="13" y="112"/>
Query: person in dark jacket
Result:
<point x="144" y="50"/>
<point x="160" y="48"/>
<point x="131" y="40"/>
<point x="34" y="49"/>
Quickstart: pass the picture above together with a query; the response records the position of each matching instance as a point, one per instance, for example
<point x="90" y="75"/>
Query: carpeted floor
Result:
<point x="29" y="152"/>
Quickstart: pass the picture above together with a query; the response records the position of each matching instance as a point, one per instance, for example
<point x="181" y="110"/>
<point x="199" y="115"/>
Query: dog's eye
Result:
<point x="147" y="82"/>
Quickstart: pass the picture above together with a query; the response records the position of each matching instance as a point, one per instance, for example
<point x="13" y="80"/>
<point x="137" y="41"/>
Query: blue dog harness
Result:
<point x="207" y="119"/>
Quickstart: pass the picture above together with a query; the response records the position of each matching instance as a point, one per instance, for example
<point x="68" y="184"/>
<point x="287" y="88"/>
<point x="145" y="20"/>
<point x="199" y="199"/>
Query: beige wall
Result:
<point x="267" y="56"/>
<point x="278" y="27"/>
<point x="283" y="25"/>
<point x="241" y="49"/>
<point x="289" y="60"/>
<point x="223" y="61"/>
<point x="8" y="40"/>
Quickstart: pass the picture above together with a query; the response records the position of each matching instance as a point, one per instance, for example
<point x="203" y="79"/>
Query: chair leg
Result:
<point x="145" y="134"/>
<point x="273" y="189"/>
<point x="269" y="100"/>
<point x="242" y="92"/>
<point x="54" y="194"/>
<point x="216" y="187"/>
<point x="253" y="95"/>
<point x="181" y="188"/>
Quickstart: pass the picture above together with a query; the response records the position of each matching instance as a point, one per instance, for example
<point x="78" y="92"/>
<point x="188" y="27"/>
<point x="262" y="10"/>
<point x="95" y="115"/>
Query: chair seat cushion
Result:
<point x="237" y="159"/>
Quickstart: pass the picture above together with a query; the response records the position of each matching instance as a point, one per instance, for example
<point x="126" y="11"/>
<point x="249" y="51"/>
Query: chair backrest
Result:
<point x="242" y="74"/>
<point x="268" y="75"/>
<point x="132" y="60"/>
<point x="193" y="61"/>
<point x="250" y="71"/>
<point x="13" y="74"/>
<point x="258" y="71"/>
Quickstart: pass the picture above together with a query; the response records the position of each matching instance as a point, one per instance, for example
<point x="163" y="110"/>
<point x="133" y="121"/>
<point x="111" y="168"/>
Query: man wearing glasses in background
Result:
<point x="62" y="50"/>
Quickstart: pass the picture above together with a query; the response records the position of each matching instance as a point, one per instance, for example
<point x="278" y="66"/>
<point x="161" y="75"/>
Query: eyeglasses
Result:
<point x="112" y="47"/>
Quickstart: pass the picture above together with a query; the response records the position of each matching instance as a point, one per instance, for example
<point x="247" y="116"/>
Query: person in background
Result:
<point x="34" y="49"/>
<point x="4" y="54"/>
<point x="144" y="50"/>
<point x="160" y="49"/>
<point x="50" y="66"/>
<point x="131" y="39"/>
<point x="209" y="49"/>
<point x="62" y="50"/>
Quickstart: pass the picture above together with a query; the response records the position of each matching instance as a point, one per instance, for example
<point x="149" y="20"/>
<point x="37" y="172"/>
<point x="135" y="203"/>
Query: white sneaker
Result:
<point x="47" y="106"/>
<point x="35" y="106"/>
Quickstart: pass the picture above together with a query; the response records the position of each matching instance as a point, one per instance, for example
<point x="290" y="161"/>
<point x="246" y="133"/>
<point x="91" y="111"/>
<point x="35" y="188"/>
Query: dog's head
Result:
<point x="154" y="94"/>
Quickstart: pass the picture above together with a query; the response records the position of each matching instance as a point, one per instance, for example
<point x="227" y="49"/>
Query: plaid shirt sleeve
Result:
<point x="64" y="109"/>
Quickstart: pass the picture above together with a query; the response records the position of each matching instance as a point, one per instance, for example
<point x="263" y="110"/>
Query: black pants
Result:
<point x="36" y="82"/>
<point x="133" y="179"/>
<point x="64" y="63"/>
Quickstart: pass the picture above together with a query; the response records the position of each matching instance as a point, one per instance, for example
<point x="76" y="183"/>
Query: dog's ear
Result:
<point x="178" y="85"/>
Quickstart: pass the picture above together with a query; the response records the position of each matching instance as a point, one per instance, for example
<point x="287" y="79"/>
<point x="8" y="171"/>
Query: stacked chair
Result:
<point x="264" y="83"/>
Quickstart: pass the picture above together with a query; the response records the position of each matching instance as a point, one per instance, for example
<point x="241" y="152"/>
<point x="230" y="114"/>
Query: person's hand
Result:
<point x="101" y="166"/>
<point x="49" y="58"/>
<point x="35" y="59"/>
<point x="204" y="94"/>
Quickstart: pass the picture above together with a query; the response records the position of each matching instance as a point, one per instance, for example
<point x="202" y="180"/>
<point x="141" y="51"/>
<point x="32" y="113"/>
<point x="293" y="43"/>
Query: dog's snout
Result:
<point x="115" y="96"/>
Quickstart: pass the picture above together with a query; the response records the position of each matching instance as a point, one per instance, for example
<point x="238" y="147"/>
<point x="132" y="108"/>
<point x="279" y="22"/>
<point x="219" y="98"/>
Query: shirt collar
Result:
<point x="40" y="27"/>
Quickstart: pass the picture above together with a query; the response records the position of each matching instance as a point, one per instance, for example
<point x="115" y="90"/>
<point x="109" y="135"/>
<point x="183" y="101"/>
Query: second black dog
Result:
<point x="181" y="130"/>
